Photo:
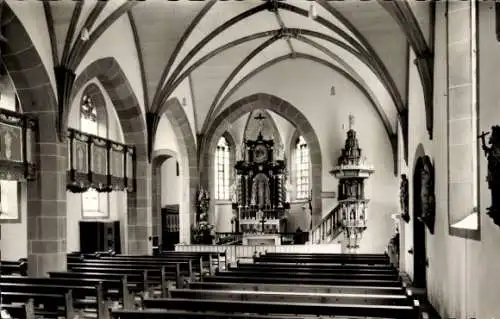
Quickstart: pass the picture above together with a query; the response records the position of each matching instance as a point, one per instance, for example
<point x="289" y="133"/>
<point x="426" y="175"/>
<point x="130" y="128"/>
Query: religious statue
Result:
<point x="234" y="191"/>
<point x="404" y="198"/>
<point x="203" y="232"/>
<point x="260" y="191"/>
<point x="203" y="202"/>
<point x="427" y="197"/>
<point x="492" y="153"/>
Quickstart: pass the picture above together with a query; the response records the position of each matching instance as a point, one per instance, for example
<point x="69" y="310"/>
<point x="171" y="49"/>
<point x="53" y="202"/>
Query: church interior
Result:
<point x="249" y="159"/>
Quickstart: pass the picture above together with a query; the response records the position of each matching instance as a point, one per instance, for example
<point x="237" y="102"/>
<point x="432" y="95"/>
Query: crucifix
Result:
<point x="260" y="118"/>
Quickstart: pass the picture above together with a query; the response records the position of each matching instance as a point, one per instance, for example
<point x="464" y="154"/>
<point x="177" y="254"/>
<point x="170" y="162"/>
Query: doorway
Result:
<point x="419" y="244"/>
<point x="166" y="199"/>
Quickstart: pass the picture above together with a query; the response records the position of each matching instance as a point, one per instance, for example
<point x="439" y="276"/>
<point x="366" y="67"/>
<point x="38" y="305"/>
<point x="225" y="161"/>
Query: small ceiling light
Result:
<point x="85" y="34"/>
<point x="313" y="14"/>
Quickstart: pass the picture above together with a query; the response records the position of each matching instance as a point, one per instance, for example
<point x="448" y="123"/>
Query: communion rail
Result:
<point x="236" y="238"/>
<point x="242" y="252"/>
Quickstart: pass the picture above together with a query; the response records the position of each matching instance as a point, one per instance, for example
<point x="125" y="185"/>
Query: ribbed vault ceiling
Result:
<point x="222" y="44"/>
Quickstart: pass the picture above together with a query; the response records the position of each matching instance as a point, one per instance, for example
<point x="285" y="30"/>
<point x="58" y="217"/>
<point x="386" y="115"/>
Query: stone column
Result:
<point x="47" y="201"/>
<point x="156" y="200"/>
<point x="139" y="217"/>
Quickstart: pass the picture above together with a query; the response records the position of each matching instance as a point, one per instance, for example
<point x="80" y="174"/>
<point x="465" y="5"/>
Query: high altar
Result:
<point x="259" y="200"/>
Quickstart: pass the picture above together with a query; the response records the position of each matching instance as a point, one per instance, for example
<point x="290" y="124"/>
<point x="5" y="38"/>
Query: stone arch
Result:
<point x="37" y="98"/>
<point x="186" y="142"/>
<point x="284" y="109"/>
<point x="133" y="123"/>
<point x="158" y="158"/>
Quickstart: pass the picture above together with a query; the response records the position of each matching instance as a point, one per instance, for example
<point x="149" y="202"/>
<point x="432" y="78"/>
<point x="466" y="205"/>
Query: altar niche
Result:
<point x="260" y="203"/>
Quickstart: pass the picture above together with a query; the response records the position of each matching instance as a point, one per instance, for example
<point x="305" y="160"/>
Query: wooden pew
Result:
<point x="304" y="281"/>
<point x="186" y="268"/>
<point x="47" y="305"/>
<point x="306" y="274"/>
<point x="221" y="285"/>
<point x="320" y="259"/>
<point x="323" y="268"/>
<point x="282" y="308"/>
<point x="21" y="311"/>
<point x="334" y="255"/>
<point x="289" y="263"/>
<point x="171" y="268"/>
<point x="307" y="297"/>
<point x="8" y="267"/>
<point x="125" y="314"/>
<point x="151" y="275"/>
<point x="213" y="257"/>
<point x="110" y="286"/>
<point x="86" y="293"/>
<point x="174" y="256"/>
<point x="194" y="266"/>
<point x="147" y="279"/>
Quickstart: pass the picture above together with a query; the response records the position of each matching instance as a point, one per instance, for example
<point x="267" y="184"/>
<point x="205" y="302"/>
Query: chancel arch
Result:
<point x="280" y="107"/>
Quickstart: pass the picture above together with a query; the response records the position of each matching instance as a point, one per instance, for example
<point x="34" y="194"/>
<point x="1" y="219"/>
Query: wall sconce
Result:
<point x="184" y="103"/>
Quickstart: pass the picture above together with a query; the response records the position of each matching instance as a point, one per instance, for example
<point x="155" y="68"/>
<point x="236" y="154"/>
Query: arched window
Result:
<point x="302" y="167"/>
<point x="222" y="170"/>
<point x="89" y="124"/>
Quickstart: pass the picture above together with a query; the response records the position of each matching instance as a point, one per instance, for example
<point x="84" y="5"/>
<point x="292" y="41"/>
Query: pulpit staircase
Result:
<point x="333" y="224"/>
<point x="328" y="229"/>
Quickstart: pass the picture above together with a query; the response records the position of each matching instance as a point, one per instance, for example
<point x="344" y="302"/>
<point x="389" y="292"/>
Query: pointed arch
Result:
<point x="133" y="123"/>
<point x="280" y="107"/>
<point x="158" y="157"/>
<point x="186" y="142"/>
<point x="37" y="97"/>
